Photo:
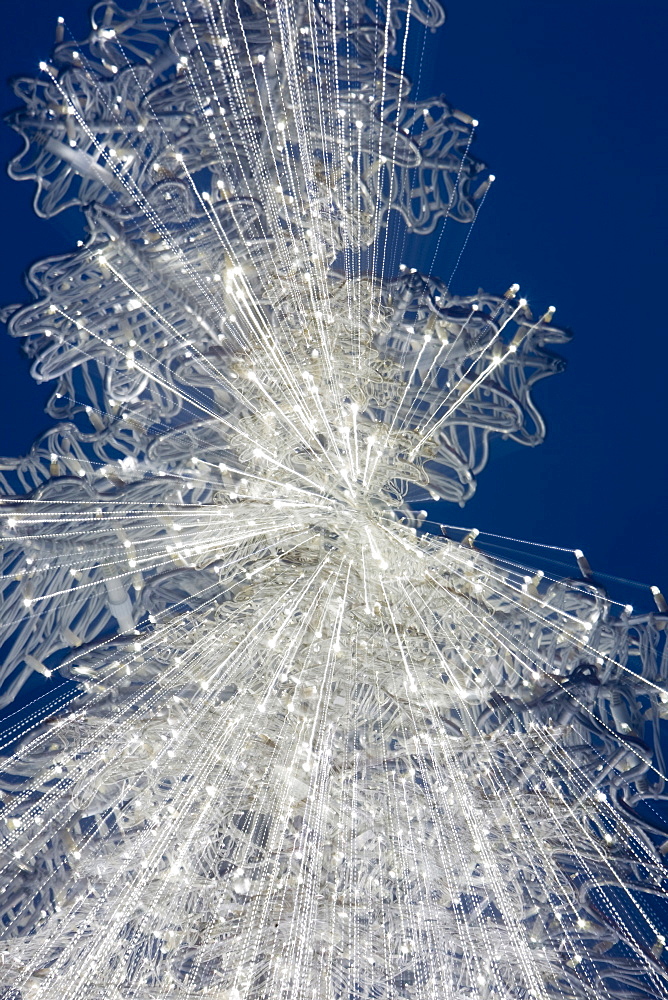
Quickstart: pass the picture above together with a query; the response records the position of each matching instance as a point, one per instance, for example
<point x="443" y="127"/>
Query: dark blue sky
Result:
<point x="570" y="98"/>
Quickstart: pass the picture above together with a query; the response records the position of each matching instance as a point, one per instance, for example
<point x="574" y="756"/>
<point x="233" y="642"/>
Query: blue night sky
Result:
<point x="569" y="94"/>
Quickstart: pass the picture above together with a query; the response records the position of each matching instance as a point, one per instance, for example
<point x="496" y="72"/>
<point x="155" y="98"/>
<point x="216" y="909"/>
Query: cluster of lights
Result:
<point x="312" y="750"/>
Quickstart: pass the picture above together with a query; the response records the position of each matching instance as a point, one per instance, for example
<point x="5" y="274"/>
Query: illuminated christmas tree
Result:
<point x="294" y="745"/>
